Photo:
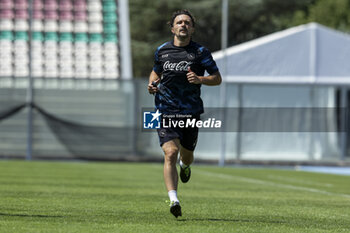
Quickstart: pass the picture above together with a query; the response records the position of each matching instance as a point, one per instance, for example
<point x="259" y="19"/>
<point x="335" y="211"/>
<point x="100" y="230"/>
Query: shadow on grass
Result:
<point x="225" y="220"/>
<point x="30" y="215"/>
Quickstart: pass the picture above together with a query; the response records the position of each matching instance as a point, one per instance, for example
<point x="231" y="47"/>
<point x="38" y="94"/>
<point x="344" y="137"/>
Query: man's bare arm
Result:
<point x="210" y="80"/>
<point x="154" y="78"/>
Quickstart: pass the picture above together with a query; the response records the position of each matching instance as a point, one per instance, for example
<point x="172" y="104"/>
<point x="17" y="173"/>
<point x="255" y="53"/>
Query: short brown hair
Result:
<point x="181" y="12"/>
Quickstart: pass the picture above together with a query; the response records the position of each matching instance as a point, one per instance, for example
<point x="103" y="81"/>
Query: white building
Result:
<point x="301" y="68"/>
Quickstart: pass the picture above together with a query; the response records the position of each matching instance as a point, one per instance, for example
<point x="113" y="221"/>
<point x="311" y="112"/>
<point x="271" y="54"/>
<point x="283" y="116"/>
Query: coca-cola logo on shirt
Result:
<point x="177" y="66"/>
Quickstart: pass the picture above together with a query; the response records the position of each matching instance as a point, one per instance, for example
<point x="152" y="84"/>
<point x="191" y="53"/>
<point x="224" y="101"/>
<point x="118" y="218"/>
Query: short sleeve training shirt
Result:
<point x="176" y="94"/>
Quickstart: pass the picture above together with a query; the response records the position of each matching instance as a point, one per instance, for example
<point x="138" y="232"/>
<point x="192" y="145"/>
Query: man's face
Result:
<point x="182" y="27"/>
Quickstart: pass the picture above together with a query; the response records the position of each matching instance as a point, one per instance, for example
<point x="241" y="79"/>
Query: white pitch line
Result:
<point x="264" y="182"/>
<point x="293" y="180"/>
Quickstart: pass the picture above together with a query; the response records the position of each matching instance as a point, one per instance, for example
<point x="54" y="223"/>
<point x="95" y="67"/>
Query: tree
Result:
<point x="253" y="19"/>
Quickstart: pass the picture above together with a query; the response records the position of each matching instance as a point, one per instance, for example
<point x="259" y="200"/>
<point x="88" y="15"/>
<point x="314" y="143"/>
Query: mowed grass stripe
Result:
<point x="270" y="183"/>
<point x="130" y="197"/>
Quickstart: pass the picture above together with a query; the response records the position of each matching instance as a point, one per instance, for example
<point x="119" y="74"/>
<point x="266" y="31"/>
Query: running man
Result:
<point x="176" y="79"/>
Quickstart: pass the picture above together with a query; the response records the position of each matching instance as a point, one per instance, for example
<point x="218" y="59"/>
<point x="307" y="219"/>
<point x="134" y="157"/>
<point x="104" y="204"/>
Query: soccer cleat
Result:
<point x="175" y="209"/>
<point x="185" y="174"/>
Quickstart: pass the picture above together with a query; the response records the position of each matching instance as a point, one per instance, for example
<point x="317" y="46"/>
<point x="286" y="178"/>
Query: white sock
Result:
<point x="173" y="196"/>
<point x="183" y="165"/>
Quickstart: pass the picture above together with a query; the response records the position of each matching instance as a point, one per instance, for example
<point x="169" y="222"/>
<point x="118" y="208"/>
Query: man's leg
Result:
<point x="171" y="150"/>
<point x="186" y="156"/>
<point x="188" y="144"/>
<point x="186" y="159"/>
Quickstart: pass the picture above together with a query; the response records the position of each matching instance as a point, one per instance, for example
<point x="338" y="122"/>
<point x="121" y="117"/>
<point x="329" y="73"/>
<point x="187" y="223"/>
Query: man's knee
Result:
<point x="171" y="150"/>
<point x="186" y="153"/>
<point x="171" y="154"/>
<point x="186" y="156"/>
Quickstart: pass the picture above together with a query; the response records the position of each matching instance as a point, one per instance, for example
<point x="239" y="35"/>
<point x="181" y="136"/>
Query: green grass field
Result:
<point x="130" y="197"/>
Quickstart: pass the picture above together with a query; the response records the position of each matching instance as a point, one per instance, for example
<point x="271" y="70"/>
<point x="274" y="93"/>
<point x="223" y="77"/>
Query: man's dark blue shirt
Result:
<point x="176" y="94"/>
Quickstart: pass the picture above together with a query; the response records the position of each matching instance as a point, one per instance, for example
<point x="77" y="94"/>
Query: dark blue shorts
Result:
<point x="187" y="136"/>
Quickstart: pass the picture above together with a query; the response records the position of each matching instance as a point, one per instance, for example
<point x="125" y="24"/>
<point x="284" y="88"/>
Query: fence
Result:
<point x="102" y="120"/>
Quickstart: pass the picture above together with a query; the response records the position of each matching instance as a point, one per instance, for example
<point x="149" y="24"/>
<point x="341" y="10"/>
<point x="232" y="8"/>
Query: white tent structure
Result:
<point x="301" y="67"/>
<point x="309" y="53"/>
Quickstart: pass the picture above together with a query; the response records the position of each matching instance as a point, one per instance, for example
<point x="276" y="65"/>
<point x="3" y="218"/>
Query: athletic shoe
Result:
<point x="175" y="209"/>
<point x="185" y="174"/>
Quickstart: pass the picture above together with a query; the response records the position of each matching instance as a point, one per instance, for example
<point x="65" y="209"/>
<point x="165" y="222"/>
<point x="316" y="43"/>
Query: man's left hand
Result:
<point x="192" y="77"/>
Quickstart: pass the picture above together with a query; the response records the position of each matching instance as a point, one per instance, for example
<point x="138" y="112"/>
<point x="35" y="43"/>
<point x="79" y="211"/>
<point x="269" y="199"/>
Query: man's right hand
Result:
<point x="152" y="87"/>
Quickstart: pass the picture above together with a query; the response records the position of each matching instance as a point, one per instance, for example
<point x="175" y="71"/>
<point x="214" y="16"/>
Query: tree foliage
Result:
<point x="331" y="13"/>
<point x="248" y="19"/>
